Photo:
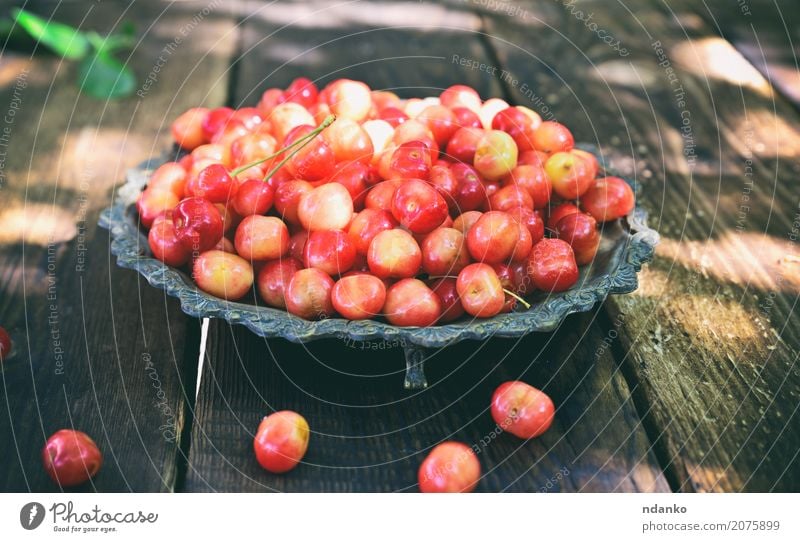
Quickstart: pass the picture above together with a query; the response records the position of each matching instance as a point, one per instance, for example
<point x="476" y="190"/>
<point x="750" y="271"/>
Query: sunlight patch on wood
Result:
<point x="718" y="59"/>
<point x="36" y="224"/>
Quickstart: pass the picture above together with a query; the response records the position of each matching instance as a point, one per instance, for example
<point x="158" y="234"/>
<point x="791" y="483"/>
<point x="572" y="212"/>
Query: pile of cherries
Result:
<point x="356" y="202"/>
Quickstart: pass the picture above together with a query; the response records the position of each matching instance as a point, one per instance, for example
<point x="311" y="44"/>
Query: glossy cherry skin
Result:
<point x="461" y="96"/>
<point x="273" y="279"/>
<point x="451" y="467"/>
<point x="153" y="202"/>
<point x="349" y="141"/>
<point x="480" y="290"/>
<point x="171" y="177"/>
<point x="570" y="174"/>
<point x="410" y="160"/>
<point x="214" y="184"/>
<point x="534" y="179"/>
<point x="303" y="91"/>
<point x="552" y="265"/>
<point x="355" y="177"/>
<point x="531" y="220"/>
<point x="444" y="181"/>
<point x="552" y="137"/>
<point x="71" y="457"/>
<point x="309" y="294"/>
<point x="444" y="252"/>
<point x="222" y="274"/>
<point x="381" y="195"/>
<point x="608" y="198"/>
<point x="287" y="199"/>
<point x="281" y="441"/>
<point x="463" y="144"/>
<point x="358" y="297"/>
<point x="286" y="117"/>
<point x="522" y="410"/>
<point x="262" y="238"/>
<point x="560" y="211"/>
<point x="6" y="345"/>
<point x="164" y="243"/>
<point x="330" y="251"/>
<point x="580" y="231"/>
<point x="393" y="116"/>
<point x="466" y="118"/>
<point x="314" y="161"/>
<point x="394" y="254"/>
<point x="441" y="121"/>
<point x="496" y="155"/>
<point x="465" y="221"/>
<point x="409" y="302"/>
<point x="418" y="206"/>
<point x="198" y="224"/>
<point x="187" y="129"/>
<point x="510" y="196"/>
<point x="348" y="99"/>
<point x="254" y="197"/>
<point x="471" y="192"/>
<point x="493" y="238"/>
<point x="366" y="225"/>
<point x="327" y="207"/>
<point x="448" y="294"/>
<point x="215" y="121"/>
<point x="516" y="124"/>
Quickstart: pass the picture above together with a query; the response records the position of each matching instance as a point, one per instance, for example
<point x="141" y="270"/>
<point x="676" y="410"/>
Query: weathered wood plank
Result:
<point x="97" y="348"/>
<point x="711" y="337"/>
<point x="368" y="433"/>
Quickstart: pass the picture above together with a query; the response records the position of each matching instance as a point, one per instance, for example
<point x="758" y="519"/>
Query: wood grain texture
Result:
<point x="711" y="337"/>
<point x="97" y="348"/>
<point x="368" y="434"/>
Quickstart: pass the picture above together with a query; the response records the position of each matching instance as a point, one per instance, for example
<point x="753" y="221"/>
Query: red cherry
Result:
<point x="465" y="221"/>
<point x="531" y="220"/>
<point x="6" y="345"/>
<point x="560" y="211"/>
<point x="215" y="120"/>
<point x="314" y="161"/>
<point x="366" y="225"/>
<point x="410" y="160"/>
<point x="394" y="254"/>
<point x="418" y="206"/>
<point x="522" y="410"/>
<point x="308" y="294"/>
<point x="580" y="231"/>
<point x="552" y="137"/>
<point x="330" y="251"/>
<point x="471" y="192"/>
<point x="516" y="124"/>
<point x="261" y="238"/>
<point x="393" y="116"/>
<point x="552" y="265"/>
<point x="460" y="96"/>
<point x="214" y="184"/>
<point x="448" y="294"/>
<point x="463" y="144"/>
<point x="444" y="252"/>
<point x="254" y="197"/>
<point x="535" y="181"/>
<point x="198" y="224"/>
<point x="164" y="243"/>
<point x="273" y="279"/>
<point x="281" y="441"/>
<point x="154" y="202"/>
<point x="466" y="118"/>
<point x="480" y="290"/>
<point x="354" y="176"/>
<point x="303" y="91"/>
<point x="187" y="129"/>
<point x="510" y="196"/>
<point x="608" y="198"/>
<point x="409" y="302"/>
<point x="494" y="237"/>
<point x="358" y="297"/>
<point x="287" y="199"/>
<point x="381" y="195"/>
<point x="71" y="457"/>
<point x="570" y="174"/>
<point x="441" y="121"/>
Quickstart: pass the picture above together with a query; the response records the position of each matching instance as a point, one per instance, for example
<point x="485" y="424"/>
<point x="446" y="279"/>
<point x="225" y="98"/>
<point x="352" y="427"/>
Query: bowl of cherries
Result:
<point x="351" y="213"/>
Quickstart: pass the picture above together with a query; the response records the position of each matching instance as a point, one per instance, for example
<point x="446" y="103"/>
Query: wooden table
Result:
<point x="691" y="383"/>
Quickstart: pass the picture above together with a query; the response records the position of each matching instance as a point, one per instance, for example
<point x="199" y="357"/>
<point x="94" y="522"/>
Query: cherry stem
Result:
<point x="303" y="141"/>
<point x="518" y="298"/>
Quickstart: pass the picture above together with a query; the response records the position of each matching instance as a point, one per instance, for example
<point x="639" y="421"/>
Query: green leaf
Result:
<point x="62" y="39"/>
<point x="103" y="76"/>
